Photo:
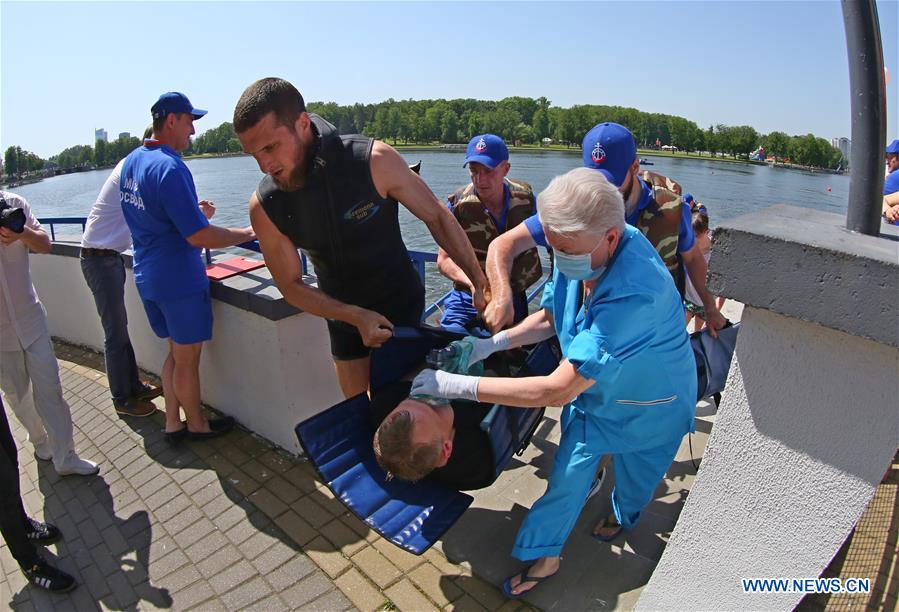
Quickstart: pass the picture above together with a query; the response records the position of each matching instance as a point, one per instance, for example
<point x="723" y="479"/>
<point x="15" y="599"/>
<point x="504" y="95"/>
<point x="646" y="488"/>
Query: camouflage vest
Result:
<point x="660" y="220"/>
<point x="481" y="229"/>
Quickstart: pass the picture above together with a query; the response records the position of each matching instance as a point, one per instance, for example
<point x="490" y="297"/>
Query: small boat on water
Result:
<point x="646" y="162"/>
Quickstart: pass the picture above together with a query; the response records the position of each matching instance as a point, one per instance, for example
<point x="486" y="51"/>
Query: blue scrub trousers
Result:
<point x="552" y="517"/>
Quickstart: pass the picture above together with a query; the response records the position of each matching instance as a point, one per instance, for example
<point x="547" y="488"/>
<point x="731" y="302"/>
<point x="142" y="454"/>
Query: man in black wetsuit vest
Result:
<point x="336" y="197"/>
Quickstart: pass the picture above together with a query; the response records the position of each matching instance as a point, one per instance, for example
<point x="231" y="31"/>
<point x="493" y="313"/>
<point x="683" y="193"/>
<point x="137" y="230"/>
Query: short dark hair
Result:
<point x="700" y="221"/>
<point x="159" y="122"/>
<point x="268" y="95"/>
<point x="396" y="453"/>
<point x="148" y="132"/>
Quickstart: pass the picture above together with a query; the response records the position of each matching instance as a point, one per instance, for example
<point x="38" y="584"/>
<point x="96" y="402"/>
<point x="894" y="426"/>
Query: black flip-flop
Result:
<point x="507" y="583"/>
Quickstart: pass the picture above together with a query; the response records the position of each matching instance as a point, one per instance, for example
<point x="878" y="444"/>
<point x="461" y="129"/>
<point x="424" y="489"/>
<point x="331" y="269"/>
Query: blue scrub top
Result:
<point x="159" y="202"/>
<point x="632" y="341"/>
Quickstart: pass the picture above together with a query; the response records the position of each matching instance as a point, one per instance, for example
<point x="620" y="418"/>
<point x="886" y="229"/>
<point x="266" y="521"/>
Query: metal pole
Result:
<point x="867" y="86"/>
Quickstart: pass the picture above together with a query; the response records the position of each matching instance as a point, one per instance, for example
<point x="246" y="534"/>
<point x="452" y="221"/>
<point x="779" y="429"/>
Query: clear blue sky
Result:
<point x="69" y="67"/>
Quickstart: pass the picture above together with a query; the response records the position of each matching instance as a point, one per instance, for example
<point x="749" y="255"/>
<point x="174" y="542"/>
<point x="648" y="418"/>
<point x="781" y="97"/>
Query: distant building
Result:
<point x="843" y="144"/>
<point x="124" y="135"/>
<point x="100" y="134"/>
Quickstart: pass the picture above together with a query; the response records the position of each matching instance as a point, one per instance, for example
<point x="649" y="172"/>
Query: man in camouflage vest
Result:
<point x="485" y="208"/>
<point x="652" y="203"/>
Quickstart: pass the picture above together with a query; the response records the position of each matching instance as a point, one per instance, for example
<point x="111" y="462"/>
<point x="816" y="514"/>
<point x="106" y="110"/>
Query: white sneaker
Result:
<point x="73" y="464"/>
<point x="597" y="484"/>
<point x="42" y="451"/>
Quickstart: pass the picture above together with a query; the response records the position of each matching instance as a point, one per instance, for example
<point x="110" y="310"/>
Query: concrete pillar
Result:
<point x="810" y="418"/>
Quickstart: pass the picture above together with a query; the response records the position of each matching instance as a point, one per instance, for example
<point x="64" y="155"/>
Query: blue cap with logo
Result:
<point x="610" y="146"/>
<point x="174" y="102"/>
<point x="894" y="147"/>
<point x="487" y="149"/>
<point x="688" y="198"/>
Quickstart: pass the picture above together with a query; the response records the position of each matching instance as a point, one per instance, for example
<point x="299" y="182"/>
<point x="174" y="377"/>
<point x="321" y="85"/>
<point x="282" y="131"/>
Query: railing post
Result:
<point x="868" y="105"/>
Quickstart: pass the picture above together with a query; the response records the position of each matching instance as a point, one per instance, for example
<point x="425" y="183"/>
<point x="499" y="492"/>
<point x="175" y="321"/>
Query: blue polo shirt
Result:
<point x="159" y="202"/>
<point x="891" y="184"/>
<point x="685" y="236"/>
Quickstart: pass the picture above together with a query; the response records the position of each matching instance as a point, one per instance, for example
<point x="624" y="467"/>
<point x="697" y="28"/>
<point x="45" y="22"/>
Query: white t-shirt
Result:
<point x="690" y="293"/>
<point x="106" y="227"/>
<point x="22" y="316"/>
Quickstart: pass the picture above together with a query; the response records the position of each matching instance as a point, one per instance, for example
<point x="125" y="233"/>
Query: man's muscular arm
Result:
<point x="282" y="259"/>
<point x="501" y="253"/>
<point x="393" y="178"/>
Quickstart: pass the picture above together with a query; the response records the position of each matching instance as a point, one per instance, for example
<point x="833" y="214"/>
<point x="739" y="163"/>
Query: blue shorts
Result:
<point x="186" y="320"/>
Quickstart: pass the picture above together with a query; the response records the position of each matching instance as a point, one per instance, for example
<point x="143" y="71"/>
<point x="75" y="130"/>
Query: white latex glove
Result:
<point x="482" y="348"/>
<point x="436" y="383"/>
<point x="458" y="356"/>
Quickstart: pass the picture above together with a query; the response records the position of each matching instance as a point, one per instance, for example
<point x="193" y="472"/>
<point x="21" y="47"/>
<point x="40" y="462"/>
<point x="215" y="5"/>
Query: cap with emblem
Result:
<point x="487" y="149"/>
<point x="610" y="146"/>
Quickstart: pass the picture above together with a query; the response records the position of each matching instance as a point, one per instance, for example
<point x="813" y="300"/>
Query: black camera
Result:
<point x="11" y="218"/>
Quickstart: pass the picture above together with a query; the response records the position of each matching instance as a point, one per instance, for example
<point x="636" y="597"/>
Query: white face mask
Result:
<point x="578" y="267"/>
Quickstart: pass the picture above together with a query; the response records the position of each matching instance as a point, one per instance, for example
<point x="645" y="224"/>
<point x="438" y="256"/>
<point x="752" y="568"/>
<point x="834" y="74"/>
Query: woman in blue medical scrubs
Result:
<point x="628" y="378"/>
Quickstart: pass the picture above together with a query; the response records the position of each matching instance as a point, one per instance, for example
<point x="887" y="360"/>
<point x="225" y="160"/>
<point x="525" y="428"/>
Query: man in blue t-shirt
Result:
<point x="891" y="184"/>
<point x="169" y="227"/>
<point x="610" y="147"/>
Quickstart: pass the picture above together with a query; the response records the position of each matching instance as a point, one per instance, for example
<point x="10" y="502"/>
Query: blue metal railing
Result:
<point x="419" y="259"/>
<point x="53" y="221"/>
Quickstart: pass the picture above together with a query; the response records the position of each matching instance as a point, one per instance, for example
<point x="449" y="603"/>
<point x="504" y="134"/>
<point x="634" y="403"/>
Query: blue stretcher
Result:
<point x="713" y="357"/>
<point x="413" y="516"/>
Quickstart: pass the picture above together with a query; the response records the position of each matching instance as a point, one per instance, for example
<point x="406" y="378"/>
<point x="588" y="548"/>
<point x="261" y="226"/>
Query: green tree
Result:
<point x="449" y="127"/>
<point x="11" y="161"/>
<point x="776" y="144"/>
<point x="541" y="124"/>
<point x="100" y="152"/>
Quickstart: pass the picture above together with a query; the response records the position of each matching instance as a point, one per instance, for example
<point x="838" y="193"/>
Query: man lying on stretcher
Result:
<point x="441" y="439"/>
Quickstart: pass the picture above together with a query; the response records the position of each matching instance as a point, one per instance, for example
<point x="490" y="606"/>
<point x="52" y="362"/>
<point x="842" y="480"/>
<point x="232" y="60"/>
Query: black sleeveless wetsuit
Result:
<point x="350" y="233"/>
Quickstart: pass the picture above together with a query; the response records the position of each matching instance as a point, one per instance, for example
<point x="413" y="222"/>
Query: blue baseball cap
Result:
<point x="688" y="198"/>
<point x="610" y="146"/>
<point x="487" y="149"/>
<point x="174" y="102"/>
<point x="894" y="147"/>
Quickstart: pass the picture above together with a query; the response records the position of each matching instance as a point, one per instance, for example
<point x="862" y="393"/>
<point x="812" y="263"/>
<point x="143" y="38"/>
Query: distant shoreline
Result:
<point x="524" y="148"/>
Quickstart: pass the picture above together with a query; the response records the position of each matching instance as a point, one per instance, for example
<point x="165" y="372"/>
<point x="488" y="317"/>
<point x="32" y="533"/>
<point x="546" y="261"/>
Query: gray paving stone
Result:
<point x="246" y="594"/>
<point x="235" y="575"/>
<point x="335" y="600"/>
<point x="196" y="595"/>
<point x="208" y="545"/>
<point x="217" y="563"/>
<point x="306" y="590"/>
<point x="290" y="573"/>
<point x="181" y="578"/>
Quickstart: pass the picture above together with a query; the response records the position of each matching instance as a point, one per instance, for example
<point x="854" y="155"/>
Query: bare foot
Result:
<point x="543" y="568"/>
<point x="607" y="528"/>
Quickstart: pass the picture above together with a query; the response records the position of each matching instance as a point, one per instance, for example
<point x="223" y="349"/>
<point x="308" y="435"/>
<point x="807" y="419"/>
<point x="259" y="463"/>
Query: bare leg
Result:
<point x="545" y="566"/>
<point x="353" y="375"/>
<point x="172" y="405"/>
<point x="186" y="379"/>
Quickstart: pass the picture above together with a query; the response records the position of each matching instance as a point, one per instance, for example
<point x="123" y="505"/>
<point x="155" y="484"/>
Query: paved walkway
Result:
<point x="226" y="524"/>
<point x="235" y="524"/>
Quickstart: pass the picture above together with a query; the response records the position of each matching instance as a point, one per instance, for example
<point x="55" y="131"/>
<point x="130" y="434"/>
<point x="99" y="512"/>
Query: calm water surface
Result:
<point x="728" y="190"/>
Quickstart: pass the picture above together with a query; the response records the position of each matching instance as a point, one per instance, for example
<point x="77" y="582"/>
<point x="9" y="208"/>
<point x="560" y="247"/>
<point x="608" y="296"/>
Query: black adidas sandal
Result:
<point x="45" y="576"/>
<point x="42" y="533"/>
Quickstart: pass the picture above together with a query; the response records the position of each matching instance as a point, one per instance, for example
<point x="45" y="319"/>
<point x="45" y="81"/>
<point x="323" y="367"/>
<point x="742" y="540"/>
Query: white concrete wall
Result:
<point x="809" y="423"/>
<point x="269" y="375"/>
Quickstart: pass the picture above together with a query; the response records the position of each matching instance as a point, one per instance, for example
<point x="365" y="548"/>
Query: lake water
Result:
<point x="727" y="189"/>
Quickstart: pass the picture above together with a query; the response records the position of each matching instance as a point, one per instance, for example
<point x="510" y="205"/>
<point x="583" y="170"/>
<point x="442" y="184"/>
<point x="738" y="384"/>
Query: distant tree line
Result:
<point x="519" y="120"/>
